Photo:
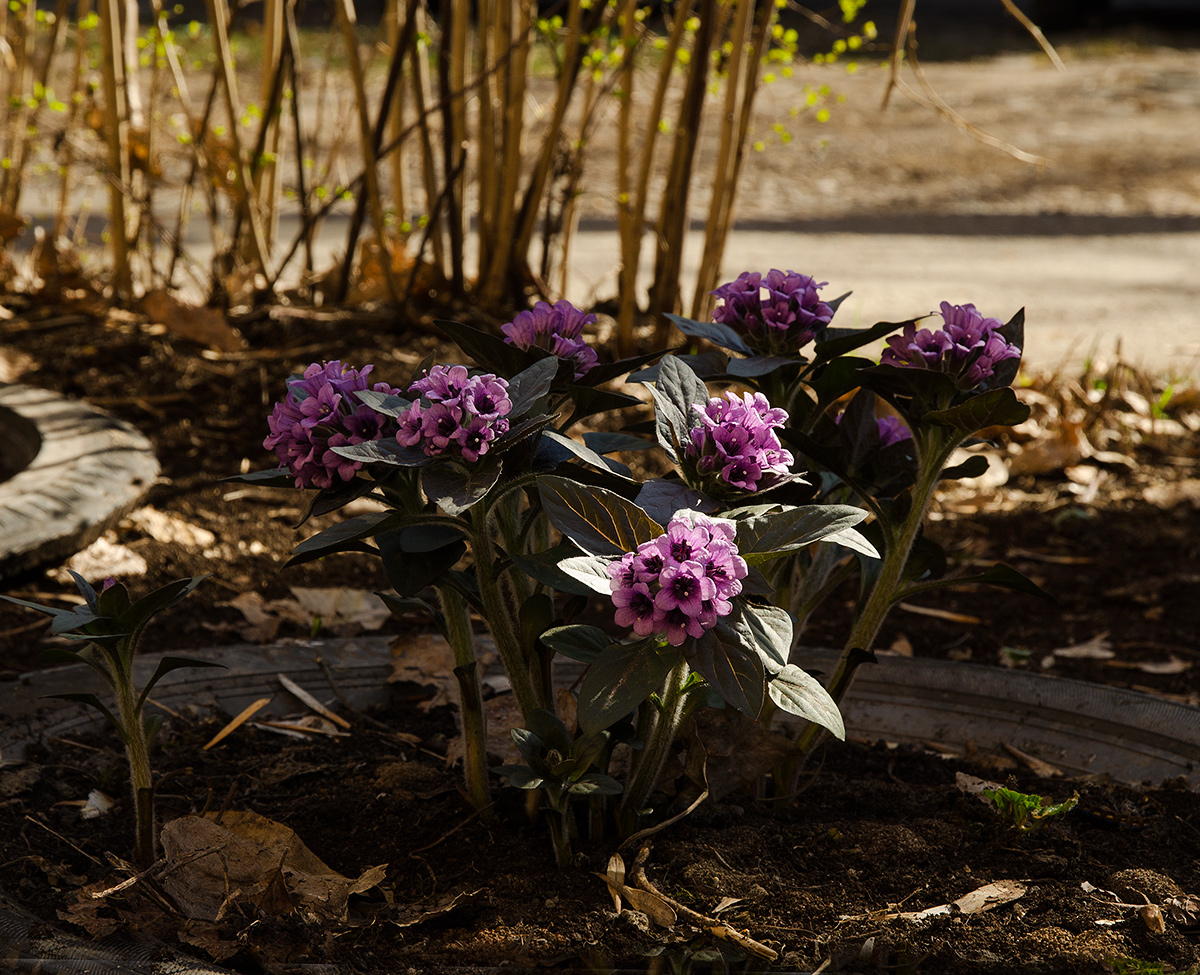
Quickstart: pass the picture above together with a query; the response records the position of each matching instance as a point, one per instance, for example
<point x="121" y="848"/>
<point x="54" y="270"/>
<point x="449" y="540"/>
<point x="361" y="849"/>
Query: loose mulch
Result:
<point x="876" y="832"/>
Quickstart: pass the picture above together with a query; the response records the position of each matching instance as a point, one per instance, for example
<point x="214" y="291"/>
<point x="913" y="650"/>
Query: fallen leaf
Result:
<point x="1097" y="648"/>
<point x="976" y="902"/>
<point x="247" y="858"/>
<point x="195" y="323"/>
<point x="104" y="557"/>
<point x="653" y="906"/>
<point x="415" y="914"/>
<point x="171" y="529"/>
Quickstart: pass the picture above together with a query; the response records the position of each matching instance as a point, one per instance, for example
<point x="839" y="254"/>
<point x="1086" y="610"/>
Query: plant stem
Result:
<point x="932" y="455"/>
<point x="664" y="723"/>
<point x="137" y="751"/>
<point x="499" y="617"/>
<point x="474" y="721"/>
<point x="560" y="833"/>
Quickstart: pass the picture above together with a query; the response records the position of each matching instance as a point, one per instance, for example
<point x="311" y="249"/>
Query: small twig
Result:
<point x="63" y="838"/>
<point x="447" y="835"/>
<point x="1035" y="32"/>
<point x="714" y="927"/>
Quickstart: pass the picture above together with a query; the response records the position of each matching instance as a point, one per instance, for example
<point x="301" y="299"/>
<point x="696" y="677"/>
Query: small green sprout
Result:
<point x="1026" y="812"/>
<point x="559" y="767"/>
<point x="111" y="625"/>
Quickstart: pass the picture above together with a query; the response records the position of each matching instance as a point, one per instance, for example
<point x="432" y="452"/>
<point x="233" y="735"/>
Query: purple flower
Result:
<point x="680" y="583"/>
<point x="777" y="314"/>
<point x="967" y="347"/>
<point x="735" y="445"/>
<point x="892" y="430"/>
<point x="319" y="412"/>
<point x="557" y="328"/>
<point x="457" y="413"/>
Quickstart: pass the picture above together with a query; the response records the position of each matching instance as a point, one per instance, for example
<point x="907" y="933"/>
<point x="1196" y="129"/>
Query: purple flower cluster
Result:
<point x="456" y="413"/>
<point x="319" y="412"/>
<point x="777" y="314"/>
<point x="557" y="328"/>
<point x="736" y="442"/>
<point x="681" y="583"/>
<point x="967" y="347"/>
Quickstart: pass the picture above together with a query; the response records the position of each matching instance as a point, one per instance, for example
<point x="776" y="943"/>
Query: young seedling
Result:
<point x="1025" y="812"/>
<point x="560" y="768"/>
<point x="111" y="626"/>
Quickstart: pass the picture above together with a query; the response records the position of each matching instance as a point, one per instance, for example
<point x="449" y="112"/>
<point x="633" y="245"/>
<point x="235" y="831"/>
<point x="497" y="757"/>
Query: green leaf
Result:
<point x="401" y="605"/>
<point x="520" y="777"/>
<point x="732" y="667"/>
<point x="577" y="641"/>
<point x="854" y="540"/>
<point x="275" y="477"/>
<point x="596" y="784"/>
<point x="608" y="443"/>
<point x="1014" y="333"/>
<point x="586" y="454"/>
<point x="676" y="391"/>
<point x="714" y="332"/>
<point x="535" y="616"/>
<point x="799" y="693"/>
<point x="531" y="384"/>
<point x="1004" y="576"/>
<point x="839" y="341"/>
<point x="591" y="570"/>
<point x="706" y="365"/>
<point x="455" y="490"/>
<point x="770" y="629"/>
<point x="598" y="521"/>
<point x="409" y="572"/>
<point x="619" y="680"/>
<point x="385" y="403"/>
<point x="755" y="366"/>
<point x="492" y="351"/>
<point x="767" y="536"/>
<point x="997" y="407"/>
<point x="344" y="536"/>
<point x="660" y="499"/>
<point x="168" y="664"/>
<point x="384" y="452"/>
<point x="971" y="467"/>
<point x="588" y="401"/>
<point x="93" y="702"/>
<point x="543" y="567"/>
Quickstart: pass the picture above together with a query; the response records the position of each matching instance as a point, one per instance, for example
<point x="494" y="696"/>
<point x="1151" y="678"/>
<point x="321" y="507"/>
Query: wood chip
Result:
<point x="246" y="714"/>
<point x="299" y="692"/>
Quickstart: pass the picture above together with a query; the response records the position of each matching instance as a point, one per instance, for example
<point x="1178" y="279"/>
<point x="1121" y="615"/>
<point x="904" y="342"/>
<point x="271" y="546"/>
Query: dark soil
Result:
<point x="877" y="830"/>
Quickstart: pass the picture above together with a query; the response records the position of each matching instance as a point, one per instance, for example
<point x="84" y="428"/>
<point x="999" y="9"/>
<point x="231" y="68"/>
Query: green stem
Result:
<point x="560" y="833"/>
<point x="137" y="751"/>
<point x="664" y="722"/>
<point x="474" y="721"/>
<point x="501" y="619"/>
<point x="932" y="455"/>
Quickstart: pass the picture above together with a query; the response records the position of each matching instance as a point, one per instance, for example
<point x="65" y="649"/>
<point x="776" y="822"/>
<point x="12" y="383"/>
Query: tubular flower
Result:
<point x="776" y="314"/>
<point x="457" y="413"/>
<point x="557" y="328"/>
<point x="735" y="444"/>
<point x="320" y="411"/>
<point x="967" y="346"/>
<point x="680" y="583"/>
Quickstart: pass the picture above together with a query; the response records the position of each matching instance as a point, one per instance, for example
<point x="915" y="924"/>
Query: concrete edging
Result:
<point x="73" y="470"/>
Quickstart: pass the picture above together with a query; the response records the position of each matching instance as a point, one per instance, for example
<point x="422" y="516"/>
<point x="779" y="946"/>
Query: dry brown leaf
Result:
<point x="653" y="906"/>
<point x="165" y="527"/>
<point x="415" y="914"/>
<point x="1097" y="648"/>
<point x="1175" y="493"/>
<point x="976" y="902"/>
<point x="249" y="859"/>
<point x="195" y="323"/>
<point x="11" y="225"/>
